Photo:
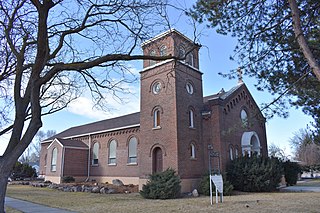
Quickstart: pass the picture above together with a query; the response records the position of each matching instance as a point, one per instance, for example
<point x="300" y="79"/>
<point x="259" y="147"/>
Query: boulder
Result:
<point x="110" y="191"/>
<point x="95" y="189"/>
<point x="195" y="193"/>
<point x="117" y="182"/>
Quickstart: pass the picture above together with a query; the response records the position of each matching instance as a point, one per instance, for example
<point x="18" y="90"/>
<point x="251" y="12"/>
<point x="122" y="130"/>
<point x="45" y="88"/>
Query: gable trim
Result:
<point x="55" y="140"/>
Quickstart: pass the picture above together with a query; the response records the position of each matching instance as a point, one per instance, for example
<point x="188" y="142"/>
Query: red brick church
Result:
<point x="175" y="127"/>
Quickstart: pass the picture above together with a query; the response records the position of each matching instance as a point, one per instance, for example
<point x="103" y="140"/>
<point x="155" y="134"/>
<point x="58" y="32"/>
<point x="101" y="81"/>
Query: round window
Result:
<point x="156" y="87"/>
<point x="189" y="88"/>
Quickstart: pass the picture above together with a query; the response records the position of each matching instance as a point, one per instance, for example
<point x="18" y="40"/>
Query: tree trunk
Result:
<point x="4" y="175"/>
<point x="301" y="39"/>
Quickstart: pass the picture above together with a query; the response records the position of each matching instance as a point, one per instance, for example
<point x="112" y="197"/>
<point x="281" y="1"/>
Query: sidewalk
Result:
<point x="29" y="207"/>
<point x="300" y="189"/>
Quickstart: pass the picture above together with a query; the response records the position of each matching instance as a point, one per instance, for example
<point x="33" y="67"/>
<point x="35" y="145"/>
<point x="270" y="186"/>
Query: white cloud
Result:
<point x="84" y="106"/>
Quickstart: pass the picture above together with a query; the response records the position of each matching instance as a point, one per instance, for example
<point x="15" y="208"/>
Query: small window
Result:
<point x="156" y="87"/>
<point x="189" y="88"/>
<point x="189" y="59"/>
<point x="163" y="50"/>
<point x="112" y="152"/>
<point x="192" y="151"/>
<point x="54" y="160"/>
<point x="132" y="152"/>
<point x="182" y="52"/>
<point x="244" y="118"/>
<point x="237" y="153"/>
<point x="191" y="118"/>
<point x="152" y="53"/>
<point x="231" y="152"/>
<point x="156" y="118"/>
<point x="95" y="154"/>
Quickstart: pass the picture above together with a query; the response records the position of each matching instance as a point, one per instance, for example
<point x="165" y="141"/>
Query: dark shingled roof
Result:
<point x="222" y="94"/>
<point x="72" y="143"/>
<point x="104" y="125"/>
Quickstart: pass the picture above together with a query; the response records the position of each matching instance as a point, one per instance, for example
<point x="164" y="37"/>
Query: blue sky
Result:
<point x="214" y="58"/>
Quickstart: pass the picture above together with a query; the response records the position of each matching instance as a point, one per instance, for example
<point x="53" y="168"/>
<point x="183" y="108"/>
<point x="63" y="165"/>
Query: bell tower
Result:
<point x="171" y="101"/>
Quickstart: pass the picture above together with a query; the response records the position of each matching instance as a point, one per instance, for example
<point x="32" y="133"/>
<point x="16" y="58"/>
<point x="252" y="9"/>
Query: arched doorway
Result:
<point x="157" y="160"/>
<point x="250" y="143"/>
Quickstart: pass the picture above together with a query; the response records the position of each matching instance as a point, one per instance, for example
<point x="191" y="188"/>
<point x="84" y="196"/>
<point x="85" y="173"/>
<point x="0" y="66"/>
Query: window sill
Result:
<point x="112" y="164"/>
<point x="132" y="164"/>
<point x="94" y="165"/>
<point x="156" y="128"/>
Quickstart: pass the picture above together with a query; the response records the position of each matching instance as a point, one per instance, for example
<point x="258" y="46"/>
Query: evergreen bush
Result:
<point x="68" y="179"/>
<point x="204" y="186"/>
<point x="291" y="171"/>
<point x="255" y="173"/>
<point x="162" y="185"/>
<point x="21" y="171"/>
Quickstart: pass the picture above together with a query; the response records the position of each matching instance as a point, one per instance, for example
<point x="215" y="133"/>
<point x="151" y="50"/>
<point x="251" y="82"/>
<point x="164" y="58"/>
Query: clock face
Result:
<point x="189" y="88"/>
<point x="156" y="88"/>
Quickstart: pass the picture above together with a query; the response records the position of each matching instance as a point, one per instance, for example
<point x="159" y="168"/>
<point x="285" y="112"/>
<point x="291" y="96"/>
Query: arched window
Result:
<point x="54" y="160"/>
<point x="191" y="118"/>
<point x="156" y="118"/>
<point x="112" y="152"/>
<point x="152" y="53"/>
<point x="244" y="118"/>
<point x="45" y="160"/>
<point x="182" y="52"/>
<point x="237" y="153"/>
<point x="163" y="50"/>
<point x="95" y="154"/>
<point x="231" y="152"/>
<point x="189" y="88"/>
<point x="132" y="150"/>
<point x="192" y="151"/>
<point x="189" y="59"/>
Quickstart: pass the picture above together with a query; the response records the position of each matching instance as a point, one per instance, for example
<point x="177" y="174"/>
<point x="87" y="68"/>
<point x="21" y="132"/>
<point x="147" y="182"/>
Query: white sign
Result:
<point x="218" y="182"/>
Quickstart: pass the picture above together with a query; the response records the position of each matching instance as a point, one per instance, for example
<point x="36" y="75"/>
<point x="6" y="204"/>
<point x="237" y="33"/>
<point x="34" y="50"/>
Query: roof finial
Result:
<point x="239" y="71"/>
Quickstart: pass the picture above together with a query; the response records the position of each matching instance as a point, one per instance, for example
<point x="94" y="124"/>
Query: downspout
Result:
<point x="89" y="156"/>
<point x="62" y="163"/>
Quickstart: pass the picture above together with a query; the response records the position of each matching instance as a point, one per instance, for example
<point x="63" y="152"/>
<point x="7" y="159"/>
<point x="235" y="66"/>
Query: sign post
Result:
<point x="215" y="175"/>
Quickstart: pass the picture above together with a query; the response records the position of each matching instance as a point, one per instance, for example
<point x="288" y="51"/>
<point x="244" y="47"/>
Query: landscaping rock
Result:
<point x="117" y="182"/>
<point x="111" y="191"/>
<point x="66" y="189"/>
<point x="195" y="193"/>
<point x="95" y="189"/>
<point x="76" y="189"/>
<point x="104" y="190"/>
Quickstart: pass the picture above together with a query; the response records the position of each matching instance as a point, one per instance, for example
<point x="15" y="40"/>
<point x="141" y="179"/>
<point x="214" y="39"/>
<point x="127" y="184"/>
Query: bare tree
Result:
<point x="276" y="151"/>
<point x="54" y="50"/>
<point x="32" y="153"/>
<point x="307" y="150"/>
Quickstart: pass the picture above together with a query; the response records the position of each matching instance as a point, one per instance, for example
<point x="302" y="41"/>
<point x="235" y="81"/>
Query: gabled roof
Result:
<point x="72" y="143"/>
<point x="107" y="125"/>
<point x="223" y="95"/>
<point x="69" y="143"/>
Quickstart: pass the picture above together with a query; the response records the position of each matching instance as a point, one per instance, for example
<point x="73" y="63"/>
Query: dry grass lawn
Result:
<point x="245" y="202"/>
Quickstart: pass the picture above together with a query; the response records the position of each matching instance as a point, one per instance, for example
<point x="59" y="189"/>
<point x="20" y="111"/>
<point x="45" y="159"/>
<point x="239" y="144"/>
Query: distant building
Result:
<point x="174" y="128"/>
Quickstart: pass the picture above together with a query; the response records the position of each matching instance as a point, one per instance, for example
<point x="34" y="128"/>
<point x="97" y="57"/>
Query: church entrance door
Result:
<point x="157" y="160"/>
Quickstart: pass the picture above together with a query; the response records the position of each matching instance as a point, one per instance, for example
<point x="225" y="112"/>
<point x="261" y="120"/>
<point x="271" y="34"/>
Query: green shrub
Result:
<point x="255" y="174"/>
<point x="68" y="179"/>
<point x="204" y="186"/>
<point x="291" y="171"/>
<point x="21" y="171"/>
<point x="162" y="185"/>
